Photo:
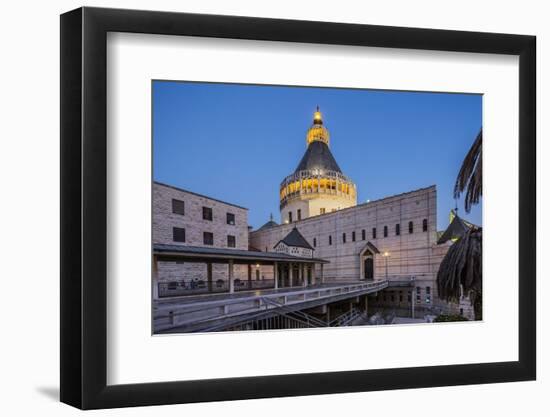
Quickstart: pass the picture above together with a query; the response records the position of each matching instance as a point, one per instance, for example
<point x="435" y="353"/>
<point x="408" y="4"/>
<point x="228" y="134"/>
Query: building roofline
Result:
<point x="169" y="250"/>
<point x="297" y="222"/>
<point x="198" y="195"/>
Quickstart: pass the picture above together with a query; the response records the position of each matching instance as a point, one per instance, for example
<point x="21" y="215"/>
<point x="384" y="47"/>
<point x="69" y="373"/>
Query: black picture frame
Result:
<point x="84" y="207"/>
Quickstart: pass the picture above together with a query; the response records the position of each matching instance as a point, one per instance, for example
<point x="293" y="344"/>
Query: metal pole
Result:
<point x="413" y="296"/>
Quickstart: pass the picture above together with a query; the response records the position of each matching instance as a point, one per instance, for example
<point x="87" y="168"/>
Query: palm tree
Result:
<point x="460" y="270"/>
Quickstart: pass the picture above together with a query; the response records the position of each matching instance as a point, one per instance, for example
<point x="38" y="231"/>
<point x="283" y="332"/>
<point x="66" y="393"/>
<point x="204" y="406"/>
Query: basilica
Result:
<point x="394" y="238"/>
<point x="328" y="261"/>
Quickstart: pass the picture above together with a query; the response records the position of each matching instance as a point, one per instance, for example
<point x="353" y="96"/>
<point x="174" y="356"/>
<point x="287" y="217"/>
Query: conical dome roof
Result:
<point x="318" y="156"/>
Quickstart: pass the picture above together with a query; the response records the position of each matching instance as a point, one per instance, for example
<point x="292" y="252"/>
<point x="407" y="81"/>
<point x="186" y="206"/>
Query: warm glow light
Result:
<point x="386" y="254"/>
<point x="257" y="265"/>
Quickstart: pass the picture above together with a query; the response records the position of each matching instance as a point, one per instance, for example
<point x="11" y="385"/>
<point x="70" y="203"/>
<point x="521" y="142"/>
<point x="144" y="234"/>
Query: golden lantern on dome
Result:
<point x="317" y="132"/>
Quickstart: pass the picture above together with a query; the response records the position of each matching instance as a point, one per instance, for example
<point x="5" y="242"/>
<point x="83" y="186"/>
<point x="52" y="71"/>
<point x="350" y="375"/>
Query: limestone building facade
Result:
<point x="182" y="217"/>
<point x="393" y="238"/>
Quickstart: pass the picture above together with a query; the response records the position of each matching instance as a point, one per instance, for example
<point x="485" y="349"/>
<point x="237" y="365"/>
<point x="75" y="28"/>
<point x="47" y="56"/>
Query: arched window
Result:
<point x="397" y="229"/>
<point x="330" y="240"/>
<point x="385" y="231"/>
<point x="343" y="238"/>
<point x="314" y="242"/>
<point x="425" y="225"/>
<point x="411" y="227"/>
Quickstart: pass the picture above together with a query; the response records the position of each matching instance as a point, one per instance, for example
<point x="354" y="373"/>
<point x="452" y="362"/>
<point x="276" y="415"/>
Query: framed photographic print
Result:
<point x="257" y="208"/>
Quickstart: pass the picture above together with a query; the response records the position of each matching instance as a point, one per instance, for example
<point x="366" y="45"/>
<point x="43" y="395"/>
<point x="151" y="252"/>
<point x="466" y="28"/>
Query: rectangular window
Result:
<point x="207" y="213"/>
<point x="374" y="232"/>
<point x="178" y="234"/>
<point x="363" y="234"/>
<point x="290" y="217"/>
<point x="178" y="207"/>
<point x="343" y="238"/>
<point x="385" y="231"/>
<point x="208" y="238"/>
<point x="330" y="240"/>
<point x="314" y="242"/>
<point x="411" y="227"/>
<point x="397" y="229"/>
<point x="425" y="225"/>
<point x="230" y="218"/>
<point x="231" y="241"/>
<point x="323" y="210"/>
<point x="353" y="236"/>
<point x="299" y="214"/>
<point x="400" y="297"/>
<point x="409" y="296"/>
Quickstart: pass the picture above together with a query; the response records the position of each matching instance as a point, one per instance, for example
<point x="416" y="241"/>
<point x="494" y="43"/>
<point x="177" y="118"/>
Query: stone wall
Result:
<point x="164" y="220"/>
<point x="408" y="253"/>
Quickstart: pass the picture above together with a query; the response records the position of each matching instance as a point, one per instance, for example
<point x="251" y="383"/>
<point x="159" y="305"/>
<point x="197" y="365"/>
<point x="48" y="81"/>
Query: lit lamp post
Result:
<point x="386" y="255"/>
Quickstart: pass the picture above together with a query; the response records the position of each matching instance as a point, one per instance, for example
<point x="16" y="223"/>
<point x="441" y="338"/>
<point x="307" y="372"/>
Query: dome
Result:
<point x="317" y="185"/>
<point x="318" y="157"/>
<point x="268" y="225"/>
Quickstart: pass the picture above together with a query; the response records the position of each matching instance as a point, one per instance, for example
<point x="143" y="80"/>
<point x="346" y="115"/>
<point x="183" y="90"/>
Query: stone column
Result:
<point x="231" y="282"/>
<point x="322" y="275"/>
<point x="209" y="275"/>
<point x="155" y="279"/>
<point x="304" y="275"/>
<point x="291" y="274"/>
<point x="249" y="276"/>
<point x="276" y="274"/>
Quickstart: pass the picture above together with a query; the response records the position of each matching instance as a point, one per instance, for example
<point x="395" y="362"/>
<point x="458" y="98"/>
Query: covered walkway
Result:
<point x="288" y="271"/>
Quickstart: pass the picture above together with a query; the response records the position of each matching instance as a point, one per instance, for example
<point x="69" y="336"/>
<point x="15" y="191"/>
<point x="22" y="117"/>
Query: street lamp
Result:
<point x="386" y="255"/>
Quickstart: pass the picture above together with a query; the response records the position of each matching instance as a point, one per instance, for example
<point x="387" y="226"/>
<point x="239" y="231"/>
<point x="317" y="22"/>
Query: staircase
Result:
<point x="346" y="319"/>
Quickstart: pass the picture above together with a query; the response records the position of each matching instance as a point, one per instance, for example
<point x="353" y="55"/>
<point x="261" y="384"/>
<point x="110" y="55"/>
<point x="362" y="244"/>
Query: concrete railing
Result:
<point x="170" y="316"/>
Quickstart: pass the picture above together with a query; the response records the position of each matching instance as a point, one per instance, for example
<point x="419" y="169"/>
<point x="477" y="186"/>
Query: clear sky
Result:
<point x="237" y="142"/>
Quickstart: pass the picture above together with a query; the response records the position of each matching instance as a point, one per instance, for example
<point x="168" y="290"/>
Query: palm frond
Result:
<point x="470" y="175"/>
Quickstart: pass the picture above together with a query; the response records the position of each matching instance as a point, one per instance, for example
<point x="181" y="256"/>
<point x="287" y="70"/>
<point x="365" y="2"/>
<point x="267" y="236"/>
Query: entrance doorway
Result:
<point x="366" y="261"/>
<point x="368" y="268"/>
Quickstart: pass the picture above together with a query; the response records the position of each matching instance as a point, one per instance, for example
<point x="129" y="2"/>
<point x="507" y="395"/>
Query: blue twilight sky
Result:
<point x="237" y="142"/>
